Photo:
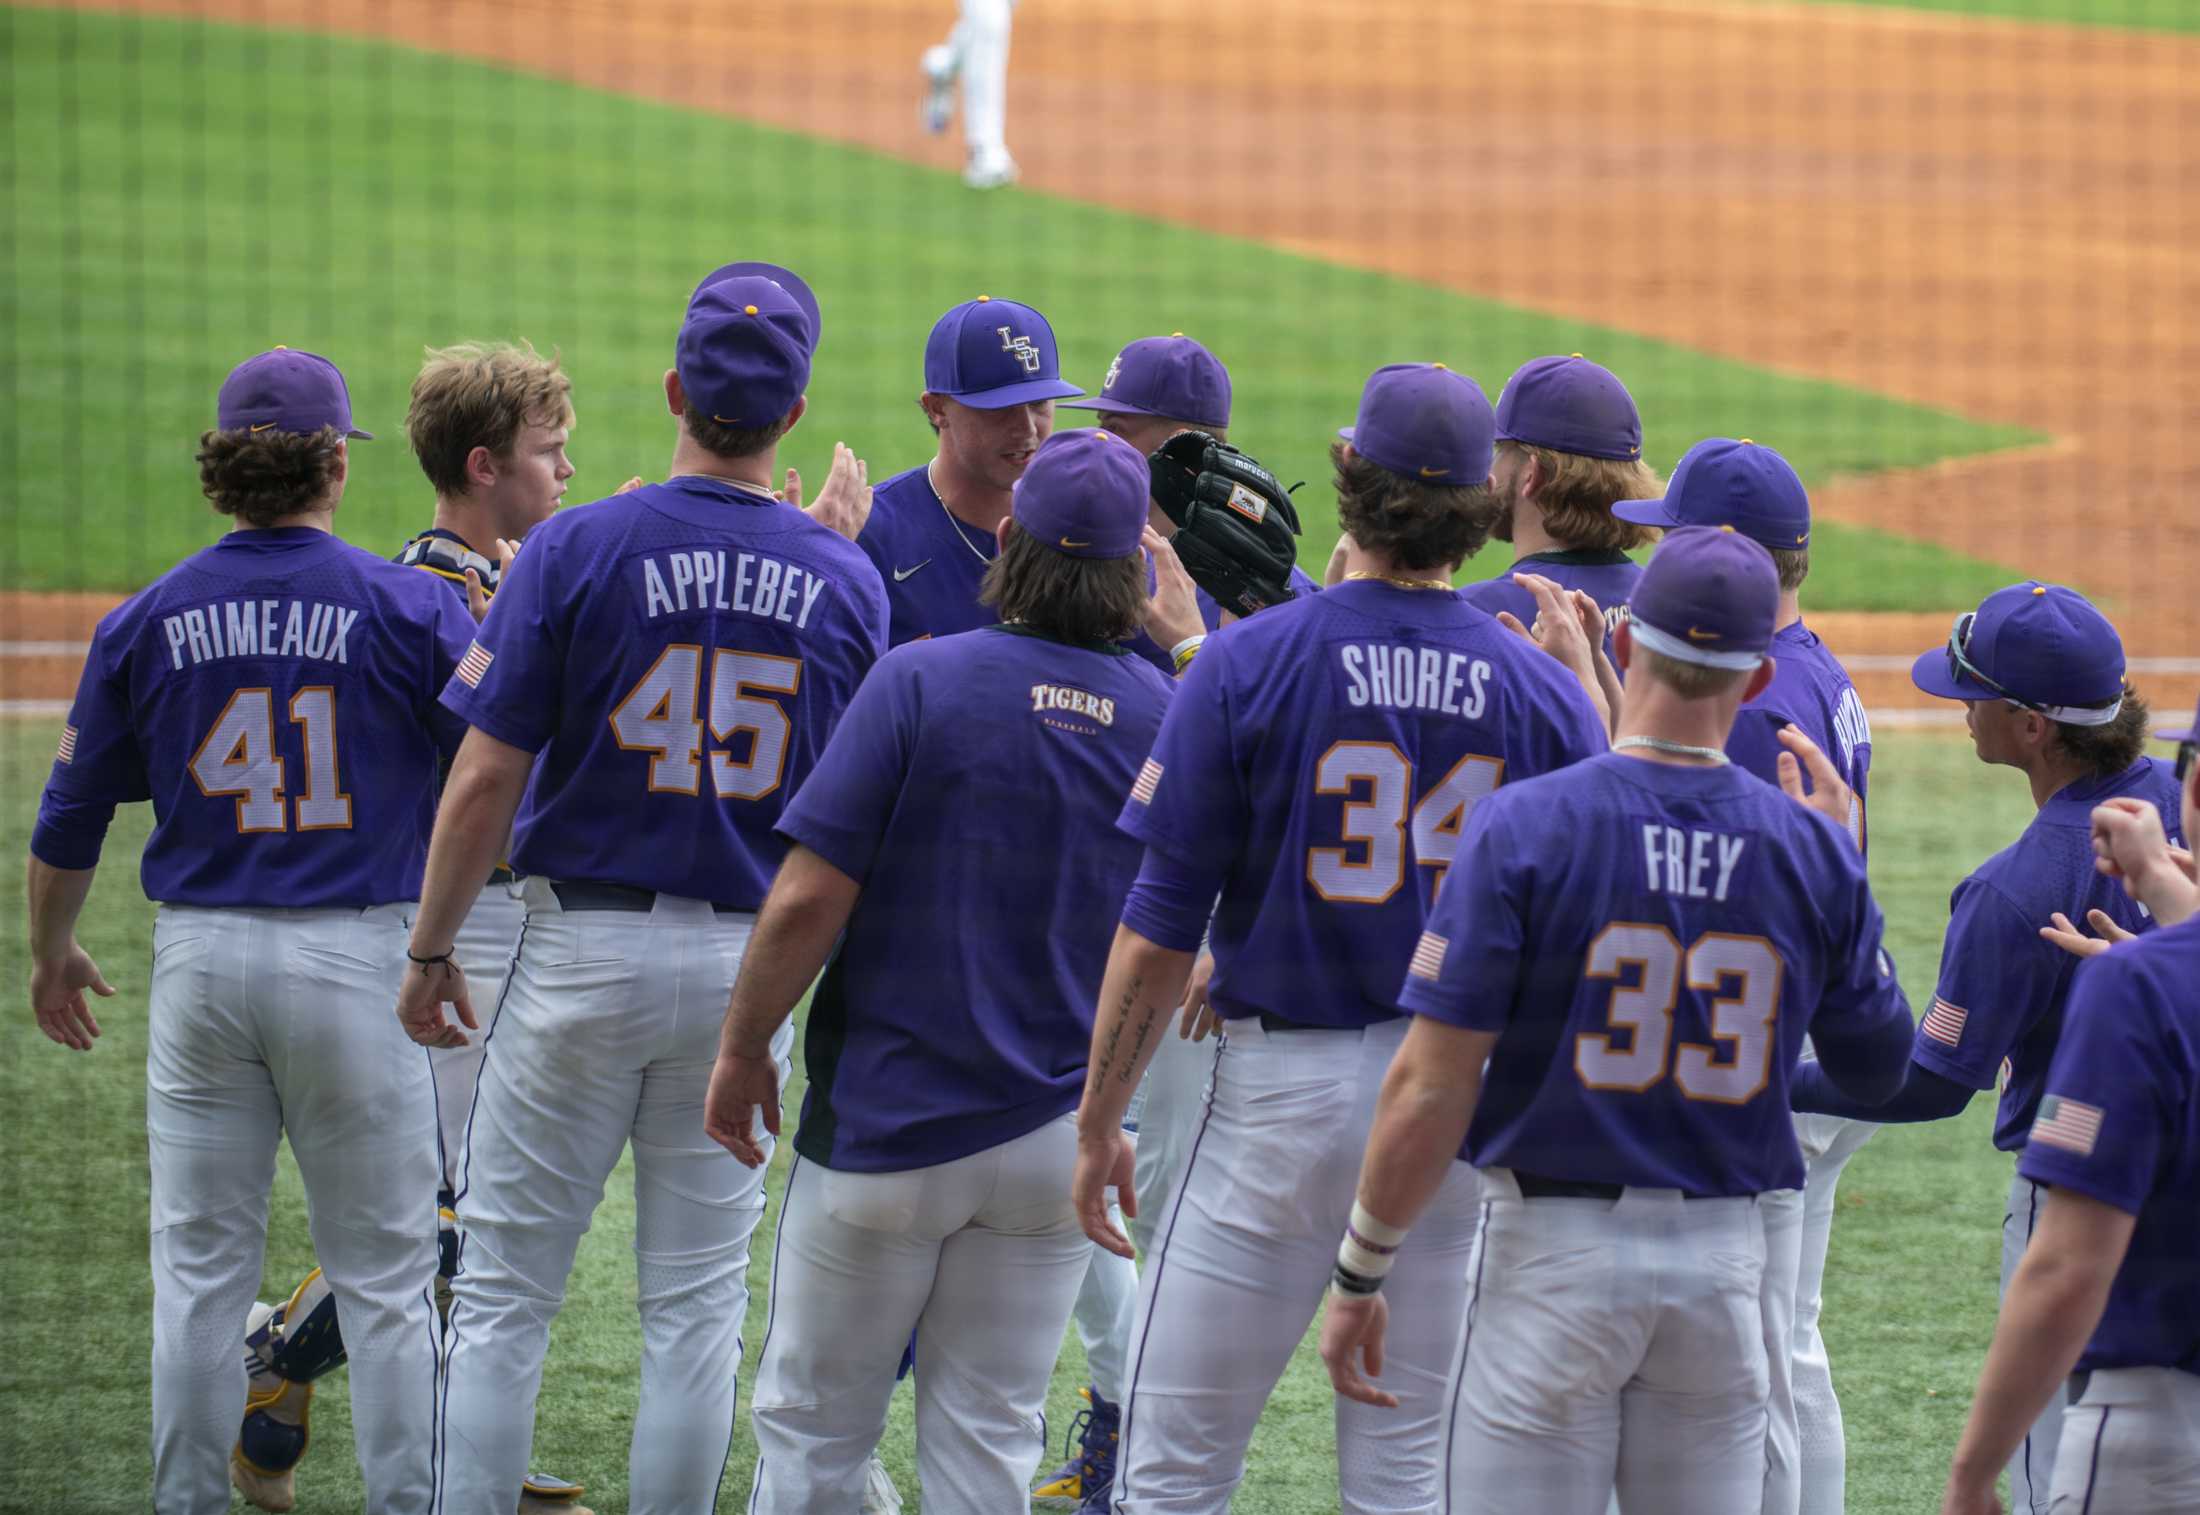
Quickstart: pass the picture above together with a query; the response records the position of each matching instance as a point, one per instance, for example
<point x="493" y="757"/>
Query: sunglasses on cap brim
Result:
<point x="1960" y="665"/>
<point x="2187" y="751"/>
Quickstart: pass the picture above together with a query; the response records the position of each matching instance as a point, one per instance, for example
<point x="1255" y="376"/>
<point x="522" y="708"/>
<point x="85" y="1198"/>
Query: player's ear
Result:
<point x="1003" y="532"/>
<point x="794" y="416"/>
<point x="1759" y="681"/>
<point x="675" y="396"/>
<point x="1623" y="645"/>
<point x="481" y="468"/>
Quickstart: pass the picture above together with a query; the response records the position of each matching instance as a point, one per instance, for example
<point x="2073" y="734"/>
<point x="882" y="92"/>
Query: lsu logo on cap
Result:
<point x="1021" y="350"/>
<point x="1115" y="371"/>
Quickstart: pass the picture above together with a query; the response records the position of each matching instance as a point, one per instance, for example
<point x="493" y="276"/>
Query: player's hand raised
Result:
<point x="1172" y="614"/>
<point x="1828" y="795"/>
<point x="844" y="504"/>
<point x="1353" y="1327"/>
<point x="741" y="1088"/>
<point x="2076" y="942"/>
<point x="1109" y="1163"/>
<point x="57" y="997"/>
<point x="426" y="989"/>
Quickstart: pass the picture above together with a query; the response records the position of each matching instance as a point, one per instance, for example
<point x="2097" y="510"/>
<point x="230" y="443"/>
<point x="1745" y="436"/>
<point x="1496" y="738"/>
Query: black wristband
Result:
<point x="1349" y="1282"/>
<point x="429" y="962"/>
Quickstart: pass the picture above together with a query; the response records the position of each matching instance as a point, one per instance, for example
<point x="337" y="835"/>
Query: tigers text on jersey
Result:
<point x="2000" y="999"/>
<point x="1320" y="765"/>
<point x="274" y="696"/>
<point x="2120" y="1122"/>
<point x="1812" y="690"/>
<point x="1651" y="942"/>
<point x="972" y="791"/>
<point x="678" y="656"/>
<point x="930" y="563"/>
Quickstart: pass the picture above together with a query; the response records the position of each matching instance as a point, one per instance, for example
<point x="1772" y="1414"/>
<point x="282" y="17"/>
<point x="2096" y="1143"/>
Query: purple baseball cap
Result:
<point x="1426" y="422"/>
<point x="991" y="354"/>
<point x="2190" y="734"/>
<point x="1720" y="482"/>
<point x="1172" y="377"/>
<point x="744" y="351"/>
<point x="1709" y="596"/>
<point x="286" y="389"/>
<point x="1571" y="405"/>
<point x="786" y="279"/>
<point x="1084" y="494"/>
<point x="2037" y="645"/>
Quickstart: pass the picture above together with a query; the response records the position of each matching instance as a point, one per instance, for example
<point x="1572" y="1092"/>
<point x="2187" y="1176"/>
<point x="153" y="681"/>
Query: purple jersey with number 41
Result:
<point x="677" y="655"/>
<point x="1319" y="763"/>
<point x="1651" y="942"/>
<point x="274" y="696"/>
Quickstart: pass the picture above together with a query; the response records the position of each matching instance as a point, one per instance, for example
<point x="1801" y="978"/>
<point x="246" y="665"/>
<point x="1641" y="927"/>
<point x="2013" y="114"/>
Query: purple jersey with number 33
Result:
<point x="677" y="655"/>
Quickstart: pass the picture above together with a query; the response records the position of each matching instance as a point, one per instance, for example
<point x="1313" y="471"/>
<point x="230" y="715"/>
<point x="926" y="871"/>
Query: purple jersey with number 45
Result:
<point x="1651" y="942"/>
<point x="677" y="655"/>
<point x="1319" y="763"/>
<point x="274" y="696"/>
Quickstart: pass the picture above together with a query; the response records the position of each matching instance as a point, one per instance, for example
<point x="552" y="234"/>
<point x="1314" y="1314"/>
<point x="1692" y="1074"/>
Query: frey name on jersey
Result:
<point x="703" y="579"/>
<point x="259" y="628"/>
<point x="1414" y="678"/>
<point x="1696" y="865"/>
<point x="1072" y="701"/>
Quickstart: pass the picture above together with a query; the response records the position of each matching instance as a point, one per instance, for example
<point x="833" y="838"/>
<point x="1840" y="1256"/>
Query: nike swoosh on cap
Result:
<point x="264" y="425"/>
<point x="1434" y="473"/>
<point x="1066" y="542"/>
<point x="903" y="573"/>
<point x="1698" y="634"/>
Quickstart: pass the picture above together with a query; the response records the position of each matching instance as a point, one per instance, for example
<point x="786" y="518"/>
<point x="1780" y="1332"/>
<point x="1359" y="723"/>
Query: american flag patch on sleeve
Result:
<point x="67" y="751"/>
<point x="1149" y="779"/>
<point x="472" y="666"/>
<point x="1944" y="1022"/>
<point x="1428" y="957"/>
<point x="2067" y="1124"/>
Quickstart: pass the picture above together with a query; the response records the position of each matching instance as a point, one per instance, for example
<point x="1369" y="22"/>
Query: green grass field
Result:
<point x="181" y="195"/>
<point x="2141" y="15"/>
<point x="1910" y="1290"/>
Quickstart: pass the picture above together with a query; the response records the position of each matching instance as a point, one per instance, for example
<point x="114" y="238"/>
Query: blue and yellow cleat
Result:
<point x="1084" y="1482"/>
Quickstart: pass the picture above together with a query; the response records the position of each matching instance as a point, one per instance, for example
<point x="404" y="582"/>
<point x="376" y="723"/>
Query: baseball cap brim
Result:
<point x="2188" y="734"/>
<point x="359" y="436"/>
<point x="1026" y="393"/>
<point x="1102" y="402"/>
<point x="1932" y="674"/>
<point x="1656" y="512"/>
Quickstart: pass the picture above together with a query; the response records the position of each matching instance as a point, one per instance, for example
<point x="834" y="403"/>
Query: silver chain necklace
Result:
<point x="953" y="524"/>
<point x="1676" y="749"/>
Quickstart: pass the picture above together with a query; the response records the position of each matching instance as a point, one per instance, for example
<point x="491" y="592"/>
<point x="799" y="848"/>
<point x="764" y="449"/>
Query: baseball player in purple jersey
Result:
<point x="1315" y="772"/>
<point x="1752" y="490"/>
<point x="930" y="1188"/>
<point x="2111" y="1283"/>
<point x="274" y="697"/>
<point x="488" y="425"/>
<point x="1569" y="445"/>
<point x="2041" y="675"/>
<point x="1638" y="1023"/>
<point x="657" y="674"/>
<point x="991" y="377"/>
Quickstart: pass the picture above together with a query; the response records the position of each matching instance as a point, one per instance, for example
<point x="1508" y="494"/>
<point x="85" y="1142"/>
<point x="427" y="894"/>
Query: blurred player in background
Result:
<point x="976" y="52"/>
<point x="930" y="1188"/>
<point x="488" y="424"/>
<point x="1638" y="994"/>
<point x="676" y="656"/>
<point x="1752" y="490"/>
<point x="2110" y="1285"/>
<point x="991" y="376"/>
<point x="1315" y="772"/>
<point x="274" y="695"/>
<point x="2041" y="675"/>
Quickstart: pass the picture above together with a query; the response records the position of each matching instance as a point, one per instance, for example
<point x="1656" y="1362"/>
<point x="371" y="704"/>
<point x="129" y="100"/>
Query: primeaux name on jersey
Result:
<point x="259" y="628"/>
<point x="1072" y="701"/>
<point x="1414" y="678"/>
<point x="753" y="584"/>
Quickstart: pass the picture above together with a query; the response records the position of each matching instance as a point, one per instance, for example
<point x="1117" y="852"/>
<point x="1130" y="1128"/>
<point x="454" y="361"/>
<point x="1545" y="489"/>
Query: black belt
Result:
<point x="1536" y="1186"/>
<point x="585" y="896"/>
<point x="1278" y="1023"/>
<point x="2076" y="1387"/>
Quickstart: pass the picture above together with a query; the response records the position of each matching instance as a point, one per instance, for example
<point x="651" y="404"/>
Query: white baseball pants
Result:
<point x="2131" y="1445"/>
<point x="982" y="1257"/>
<point x="1106" y="1311"/>
<point x="2032" y="1470"/>
<point x="1611" y="1344"/>
<point x="607" y="1034"/>
<point x="1784" y="1224"/>
<point x="979" y="47"/>
<point x="262" y="1024"/>
<point x="1828" y="1142"/>
<point x="483" y="946"/>
<point x="1174" y="1097"/>
<point x="1245" y="1255"/>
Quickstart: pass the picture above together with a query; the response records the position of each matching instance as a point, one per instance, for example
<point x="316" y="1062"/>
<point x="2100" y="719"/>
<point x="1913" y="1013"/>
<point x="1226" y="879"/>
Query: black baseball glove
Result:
<point x="1235" y="529"/>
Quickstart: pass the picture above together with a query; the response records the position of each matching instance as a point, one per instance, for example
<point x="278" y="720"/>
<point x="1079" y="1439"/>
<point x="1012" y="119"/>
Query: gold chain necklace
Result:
<point x="1393" y="579"/>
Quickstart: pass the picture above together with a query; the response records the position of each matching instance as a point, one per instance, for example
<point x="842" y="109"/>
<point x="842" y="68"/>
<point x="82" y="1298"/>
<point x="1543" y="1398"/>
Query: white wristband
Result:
<point x="1181" y="654"/>
<point x="1369" y="1247"/>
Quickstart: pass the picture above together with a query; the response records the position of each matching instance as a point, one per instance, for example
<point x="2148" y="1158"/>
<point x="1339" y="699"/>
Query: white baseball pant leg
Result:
<point x="608" y="1033"/>
<point x="981" y="44"/>
<point x="1106" y="1312"/>
<point x="483" y="945"/>
<point x="261" y="1024"/>
<point x="2131" y="1445"/>
<point x="2032" y="1469"/>
<point x="1175" y="1098"/>
<point x="1828" y="1142"/>
<point x="1783" y="1224"/>
<point x="1243" y="1263"/>
<point x="1611" y="1344"/>
<point x="982" y="1256"/>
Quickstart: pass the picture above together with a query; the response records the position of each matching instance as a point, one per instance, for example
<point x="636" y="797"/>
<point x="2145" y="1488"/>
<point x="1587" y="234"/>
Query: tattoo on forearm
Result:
<point x="1146" y="1023"/>
<point x="1097" y="1078"/>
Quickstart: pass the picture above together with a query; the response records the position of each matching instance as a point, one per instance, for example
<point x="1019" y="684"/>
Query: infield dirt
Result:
<point x="1996" y="218"/>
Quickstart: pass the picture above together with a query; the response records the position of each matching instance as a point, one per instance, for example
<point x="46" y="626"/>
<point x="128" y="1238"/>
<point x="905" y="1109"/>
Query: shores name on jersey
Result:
<point x="1400" y="677"/>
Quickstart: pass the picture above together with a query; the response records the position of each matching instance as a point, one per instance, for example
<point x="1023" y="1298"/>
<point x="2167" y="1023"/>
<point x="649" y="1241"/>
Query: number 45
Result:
<point x="660" y="715"/>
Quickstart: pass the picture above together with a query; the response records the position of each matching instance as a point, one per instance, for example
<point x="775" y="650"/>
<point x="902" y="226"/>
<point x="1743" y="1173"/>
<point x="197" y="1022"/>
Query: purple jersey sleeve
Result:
<point x="1466" y="970"/>
<point x="97" y="766"/>
<point x="450" y="635"/>
<point x="1996" y="977"/>
<point x="1189" y="799"/>
<point x="2110" y="1114"/>
<point x="508" y="681"/>
<point x="843" y="809"/>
